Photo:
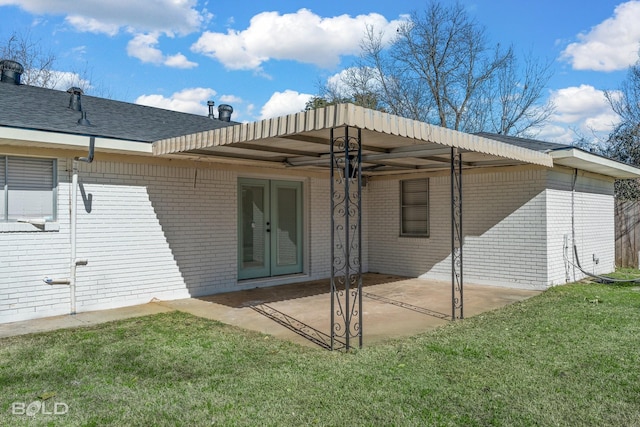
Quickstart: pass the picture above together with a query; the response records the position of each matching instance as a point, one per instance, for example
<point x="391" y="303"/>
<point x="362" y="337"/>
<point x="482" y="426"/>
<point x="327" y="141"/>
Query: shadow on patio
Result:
<point x="393" y="306"/>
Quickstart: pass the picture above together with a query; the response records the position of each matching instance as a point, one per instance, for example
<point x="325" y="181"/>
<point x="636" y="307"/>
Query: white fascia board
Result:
<point x="37" y="138"/>
<point x="579" y="159"/>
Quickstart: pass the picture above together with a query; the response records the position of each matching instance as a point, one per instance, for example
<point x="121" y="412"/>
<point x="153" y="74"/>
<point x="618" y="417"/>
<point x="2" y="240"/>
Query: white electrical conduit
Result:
<point x="73" y="225"/>
<point x="579" y="267"/>
<point x="74" y="262"/>
<point x="565" y="249"/>
<point x="73" y="220"/>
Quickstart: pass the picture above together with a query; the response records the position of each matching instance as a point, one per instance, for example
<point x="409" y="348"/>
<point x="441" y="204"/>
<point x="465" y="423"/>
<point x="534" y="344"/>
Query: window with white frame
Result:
<point x="27" y="188"/>
<point x="414" y="207"/>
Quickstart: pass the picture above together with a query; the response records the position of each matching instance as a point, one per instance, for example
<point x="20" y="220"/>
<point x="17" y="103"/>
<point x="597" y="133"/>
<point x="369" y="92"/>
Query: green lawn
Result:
<point x="570" y="356"/>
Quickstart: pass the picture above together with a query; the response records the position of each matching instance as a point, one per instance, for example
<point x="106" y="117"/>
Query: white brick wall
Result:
<point x="26" y="258"/>
<point x="389" y="253"/>
<point x="148" y="231"/>
<point x="514" y="225"/>
<point x="156" y="231"/>
<point x="159" y="231"/>
<point x="320" y="242"/>
<point x="503" y="223"/>
<point x="505" y="228"/>
<point x="594" y="224"/>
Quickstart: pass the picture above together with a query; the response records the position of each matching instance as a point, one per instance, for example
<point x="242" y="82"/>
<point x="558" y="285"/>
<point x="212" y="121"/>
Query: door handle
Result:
<point x="268" y="227"/>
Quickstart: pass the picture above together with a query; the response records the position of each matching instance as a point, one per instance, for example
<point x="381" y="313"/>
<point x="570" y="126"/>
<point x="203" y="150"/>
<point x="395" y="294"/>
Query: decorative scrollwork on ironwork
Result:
<point x="457" y="242"/>
<point x="346" y="239"/>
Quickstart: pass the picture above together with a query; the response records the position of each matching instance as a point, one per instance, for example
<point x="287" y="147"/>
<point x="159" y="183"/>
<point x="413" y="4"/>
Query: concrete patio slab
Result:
<point x="393" y="307"/>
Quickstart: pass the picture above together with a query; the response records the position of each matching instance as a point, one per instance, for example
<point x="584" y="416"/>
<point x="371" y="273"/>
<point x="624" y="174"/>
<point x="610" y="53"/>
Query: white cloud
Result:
<point x="230" y="99"/>
<point x="338" y="81"/>
<point x="611" y="45"/>
<point x="283" y="103"/>
<point x="301" y="36"/>
<point x="580" y="111"/>
<point x="179" y="61"/>
<point x="147" y="19"/>
<point x="192" y="100"/>
<point x="143" y="47"/>
<point x="66" y="79"/>
<point x="91" y="25"/>
<point x="180" y="16"/>
<point x="342" y="81"/>
<point x="556" y="133"/>
<point x="579" y="103"/>
<point x="54" y="79"/>
<point x="79" y="50"/>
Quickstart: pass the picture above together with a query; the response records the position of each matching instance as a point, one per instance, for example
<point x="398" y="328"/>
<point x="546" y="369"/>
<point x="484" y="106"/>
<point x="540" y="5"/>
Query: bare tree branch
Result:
<point x="440" y="69"/>
<point x="37" y="63"/>
<point x="514" y="97"/>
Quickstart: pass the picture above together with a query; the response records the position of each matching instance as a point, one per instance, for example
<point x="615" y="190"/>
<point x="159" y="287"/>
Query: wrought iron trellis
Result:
<point x="346" y="239"/>
<point x="456" y="236"/>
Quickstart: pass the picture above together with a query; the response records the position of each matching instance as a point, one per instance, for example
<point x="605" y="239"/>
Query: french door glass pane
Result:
<point x="253" y="226"/>
<point x="269" y="228"/>
<point x="287" y="232"/>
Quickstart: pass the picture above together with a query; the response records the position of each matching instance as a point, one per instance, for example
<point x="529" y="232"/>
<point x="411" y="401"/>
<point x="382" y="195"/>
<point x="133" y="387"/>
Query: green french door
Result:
<point x="269" y="228"/>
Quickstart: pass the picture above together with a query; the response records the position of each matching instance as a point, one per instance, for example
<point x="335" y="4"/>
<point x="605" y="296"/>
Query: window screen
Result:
<point x="414" y="207"/>
<point x="28" y="188"/>
<point x="3" y="188"/>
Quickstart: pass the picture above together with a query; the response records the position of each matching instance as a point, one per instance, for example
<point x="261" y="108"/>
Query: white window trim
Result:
<point x="23" y="227"/>
<point x="29" y="224"/>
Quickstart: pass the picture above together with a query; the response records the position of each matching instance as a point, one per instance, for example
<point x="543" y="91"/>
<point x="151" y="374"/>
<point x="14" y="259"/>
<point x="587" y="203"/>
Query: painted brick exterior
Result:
<point x="27" y="257"/>
<point x="152" y="230"/>
<point x="593" y="206"/>
<point x="148" y="231"/>
<point x="514" y="225"/>
<point x="318" y="245"/>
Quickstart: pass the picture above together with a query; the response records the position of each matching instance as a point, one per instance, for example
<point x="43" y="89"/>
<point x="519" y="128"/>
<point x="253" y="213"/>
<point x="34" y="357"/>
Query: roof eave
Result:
<point x="579" y="159"/>
<point x="48" y="139"/>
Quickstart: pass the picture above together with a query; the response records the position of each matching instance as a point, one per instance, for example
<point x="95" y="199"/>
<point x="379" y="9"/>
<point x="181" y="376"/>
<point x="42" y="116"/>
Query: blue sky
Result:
<point x="267" y="58"/>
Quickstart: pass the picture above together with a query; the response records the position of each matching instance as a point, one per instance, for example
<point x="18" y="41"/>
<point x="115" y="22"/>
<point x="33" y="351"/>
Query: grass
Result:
<point x="570" y="356"/>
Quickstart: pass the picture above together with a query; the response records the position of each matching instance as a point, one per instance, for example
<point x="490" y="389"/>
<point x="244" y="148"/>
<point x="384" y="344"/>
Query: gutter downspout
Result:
<point x="573" y="220"/>
<point x="74" y="262"/>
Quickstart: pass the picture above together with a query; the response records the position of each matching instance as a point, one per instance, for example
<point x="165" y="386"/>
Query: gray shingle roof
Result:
<point x="532" y="144"/>
<point x="36" y="108"/>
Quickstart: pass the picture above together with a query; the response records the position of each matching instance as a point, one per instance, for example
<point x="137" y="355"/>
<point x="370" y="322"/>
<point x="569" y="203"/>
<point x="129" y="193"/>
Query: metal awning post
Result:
<point x="457" y="276"/>
<point x="346" y="239"/>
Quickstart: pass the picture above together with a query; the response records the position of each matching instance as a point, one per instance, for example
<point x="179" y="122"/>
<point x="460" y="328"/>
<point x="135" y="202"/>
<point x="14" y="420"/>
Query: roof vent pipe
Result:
<point x="83" y="120"/>
<point x="224" y="112"/>
<point x="211" y="104"/>
<point x="10" y="71"/>
<point x="75" y="102"/>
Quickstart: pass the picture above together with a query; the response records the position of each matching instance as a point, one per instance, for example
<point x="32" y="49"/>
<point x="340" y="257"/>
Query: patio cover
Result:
<point x="390" y="143"/>
<point x="374" y="143"/>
